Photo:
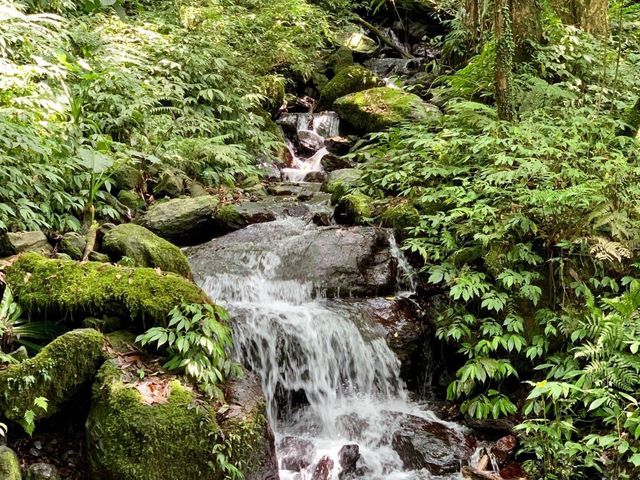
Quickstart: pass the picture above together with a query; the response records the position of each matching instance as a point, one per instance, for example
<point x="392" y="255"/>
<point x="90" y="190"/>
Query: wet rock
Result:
<point x="331" y="162"/>
<point x="504" y="449"/>
<point x="380" y="108"/>
<point x="9" y="464"/>
<point x="317" y="177"/>
<point x="73" y="244"/>
<point x="310" y="141"/>
<point x="12" y="243"/>
<point x="348" y="80"/>
<point x="145" y="249"/>
<point x="348" y="456"/>
<point x="425" y="50"/>
<point x="272" y="172"/>
<point x="323" y="469"/>
<point x="182" y="220"/>
<point x="42" y="471"/>
<point x="338" y="145"/>
<point x="513" y="471"/>
<point x="345" y="261"/>
<point x="429" y="444"/>
<point x="385" y="67"/>
<point x="295" y="453"/>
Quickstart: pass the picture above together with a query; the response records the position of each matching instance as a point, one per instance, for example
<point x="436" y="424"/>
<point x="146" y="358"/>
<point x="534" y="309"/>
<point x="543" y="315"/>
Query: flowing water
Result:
<point x="328" y="375"/>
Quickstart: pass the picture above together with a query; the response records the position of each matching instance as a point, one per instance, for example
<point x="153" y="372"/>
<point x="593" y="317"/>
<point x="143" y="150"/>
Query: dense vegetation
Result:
<point x="520" y="204"/>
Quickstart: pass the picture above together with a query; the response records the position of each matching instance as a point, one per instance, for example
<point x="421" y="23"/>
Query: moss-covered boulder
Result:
<point x="9" y="464"/>
<point x="127" y="177"/>
<point x="353" y="209"/>
<point x="131" y="199"/>
<point x="135" y="437"/>
<point x="56" y="373"/>
<point x="145" y="249"/>
<point x="73" y="244"/>
<point x="236" y="216"/>
<point x="339" y="182"/>
<point x="348" y="80"/>
<point x="171" y="183"/>
<point x="400" y="216"/>
<point x="63" y="288"/>
<point x="380" y="108"/>
<point x="341" y="58"/>
<point x="17" y="242"/>
<point x="182" y="220"/>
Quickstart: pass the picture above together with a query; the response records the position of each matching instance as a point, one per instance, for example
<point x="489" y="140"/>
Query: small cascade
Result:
<point x="335" y="397"/>
<point x="307" y="131"/>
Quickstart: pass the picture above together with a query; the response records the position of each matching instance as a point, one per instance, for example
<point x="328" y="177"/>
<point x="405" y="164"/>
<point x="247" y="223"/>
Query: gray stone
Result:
<point x="12" y="243"/>
<point x="42" y="471"/>
<point x="310" y="141"/>
<point x="73" y="244"/>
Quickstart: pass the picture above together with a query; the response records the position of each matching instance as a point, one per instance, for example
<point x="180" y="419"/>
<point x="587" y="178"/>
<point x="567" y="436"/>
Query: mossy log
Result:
<point x="73" y="291"/>
<point x="56" y="373"/>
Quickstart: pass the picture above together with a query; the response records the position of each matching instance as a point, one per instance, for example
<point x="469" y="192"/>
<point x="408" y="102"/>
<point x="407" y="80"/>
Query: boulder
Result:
<point x="182" y="220"/>
<point x="295" y="453"/>
<point x="145" y="248"/>
<point x="42" y="471"/>
<point x="343" y="261"/>
<point x="340" y="181"/>
<point x="73" y="244"/>
<point x="341" y="58"/>
<point x="9" y="464"/>
<point x="338" y="145"/>
<point x="171" y="183"/>
<point x="12" y="243"/>
<point x="386" y="67"/>
<point x="322" y="470"/>
<point x="353" y="209"/>
<point x="317" y="177"/>
<point x="236" y="216"/>
<point x="331" y="162"/>
<point x="57" y="372"/>
<point x="178" y="435"/>
<point x="383" y="107"/>
<point x="131" y="199"/>
<point x="429" y="444"/>
<point x="348" y="80"/>
<point x="65" y="289"/>
<point x="127" y="177"/>
<point x="348" y="456"/>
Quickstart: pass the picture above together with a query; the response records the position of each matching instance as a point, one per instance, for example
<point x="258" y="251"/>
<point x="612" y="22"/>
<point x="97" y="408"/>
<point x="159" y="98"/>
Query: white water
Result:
<point x="327" y="353"/>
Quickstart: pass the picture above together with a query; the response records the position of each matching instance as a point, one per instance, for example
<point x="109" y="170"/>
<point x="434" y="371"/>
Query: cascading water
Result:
<point x="329" y="377"/>
<point x="322" y="125"/>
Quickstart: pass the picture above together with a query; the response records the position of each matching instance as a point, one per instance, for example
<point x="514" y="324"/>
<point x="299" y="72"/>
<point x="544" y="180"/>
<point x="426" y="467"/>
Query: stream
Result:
<point x="335" y="397"/>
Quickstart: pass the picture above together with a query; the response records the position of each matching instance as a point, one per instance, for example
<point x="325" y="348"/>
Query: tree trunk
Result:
<point x="589" y="15"/>
<point x="504" y="59"/>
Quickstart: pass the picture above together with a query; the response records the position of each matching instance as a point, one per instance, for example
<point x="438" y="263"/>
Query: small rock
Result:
<point x="331" y="162"/>
<point x="348" y="456"/>
<point x="73" y="244"/>
<point x="338" y="145"/>
<point x="504" y="448"/>
<point x="310" y="141"/>
<point x="295" y="453"/>
<point x="99" y="257"/>
<point x="316" y="177"/>
<point x="170" y="184"/>
<point x="323" y="469"/>
<point x="42" y="471"/>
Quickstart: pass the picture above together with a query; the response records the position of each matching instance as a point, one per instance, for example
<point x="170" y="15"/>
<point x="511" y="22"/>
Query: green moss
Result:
<point x="121" y="341"/>
<point x="145" y="248"/>
<point x="341" y="58"/>
<point x="59" y="288"/>
<point x="181" y="220"/>
<point x="131" y="199"/>
<point x="130" y="440"/>
<point x="73" y="244"/>
<point x="348" y="80"/>
<point x="380" y="108"/>
<point x="339" y="182"/>
<point x="400" y="216"/>
<point x="56" y="373"/>
<point x="354" y="208"/>
<point x="9" y="464"/>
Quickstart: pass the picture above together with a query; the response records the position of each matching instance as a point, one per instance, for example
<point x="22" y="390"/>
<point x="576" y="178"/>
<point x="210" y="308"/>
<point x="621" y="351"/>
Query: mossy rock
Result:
<point x="130" y="439"/>
<point x="353" y="209"/>
<point x="341" y="58"/>
<point x="73" y="244"/>
<point x="56" y="373"/>
<point x="17" y="242"/>
<point x="383" y="107"/>
<point x="171" y="183"/>
<point x="236" y="216"/>
<point x="9" y="464"/>
<point x="145" y="248"/>
<point x="62" y="288"/>
<point x="182" y="220"/>
<point x="400" y="216"/>
<point x="339" y="182"/>
<point x="127" y="177"/>
<point x="131" y="199"/>
<point x="348" y="80"/>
